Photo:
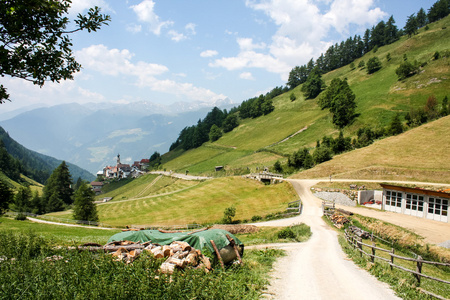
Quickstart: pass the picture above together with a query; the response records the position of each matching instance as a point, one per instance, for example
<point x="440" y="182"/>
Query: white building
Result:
<point x="416" y="202"/>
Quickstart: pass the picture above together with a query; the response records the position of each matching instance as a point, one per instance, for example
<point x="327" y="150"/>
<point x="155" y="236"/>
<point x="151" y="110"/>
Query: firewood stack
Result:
<point x="339" y="220"/>
<point x="179" y="255"/>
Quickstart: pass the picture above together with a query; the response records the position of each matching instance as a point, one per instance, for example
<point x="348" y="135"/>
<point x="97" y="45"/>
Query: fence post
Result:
<point x="392" y="259"/>
<point x="373" y="252"/>
<point x="360" y="246"/>
<point x="419" y="268"/>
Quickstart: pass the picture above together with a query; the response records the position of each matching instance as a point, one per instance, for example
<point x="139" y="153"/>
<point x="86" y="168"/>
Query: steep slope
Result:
<point x="39" y="165"/>
<point x="420" y="154"/>
<point x="380" y="96"/>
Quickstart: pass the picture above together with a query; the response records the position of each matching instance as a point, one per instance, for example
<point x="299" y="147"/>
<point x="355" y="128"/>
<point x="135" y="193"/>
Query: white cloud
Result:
<point x="301" y="32"/>
<point x="115" y="62"/>
<point x="176" y="36"/>
<point x="190" y="28"/>
<point x="246" y="75"/>
<point x="209" y="53"/>
<point x="134" y="28"/>
<point x="78" y="6"/>
<point x="145" y="13"/>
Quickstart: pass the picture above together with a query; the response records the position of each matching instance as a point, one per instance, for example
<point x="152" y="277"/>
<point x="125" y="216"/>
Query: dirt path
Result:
<point x="433" y="232"/>
<point x="318" y="269"/>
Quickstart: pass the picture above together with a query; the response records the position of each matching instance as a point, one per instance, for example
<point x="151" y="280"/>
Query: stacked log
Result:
<point x="359" y="232"/>
<point x="339" y="220"/>
<point x="178" y="255"/>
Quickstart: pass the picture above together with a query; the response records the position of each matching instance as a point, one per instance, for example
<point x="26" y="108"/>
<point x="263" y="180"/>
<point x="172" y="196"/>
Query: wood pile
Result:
<point x="359" y="232"/>
<point x="178" y="255"/>
<point x="339" y="220"/>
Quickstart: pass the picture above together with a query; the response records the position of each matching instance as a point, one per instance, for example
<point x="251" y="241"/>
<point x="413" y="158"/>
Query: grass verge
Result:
<point x="32" y="269"/>
<point x="406" y="244"/>
<point x="267" y="235"/>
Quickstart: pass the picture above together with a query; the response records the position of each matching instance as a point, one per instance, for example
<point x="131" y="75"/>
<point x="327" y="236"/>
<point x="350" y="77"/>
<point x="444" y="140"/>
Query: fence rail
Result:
<point x="357" y="243"/>
<point x="298" y="207"/>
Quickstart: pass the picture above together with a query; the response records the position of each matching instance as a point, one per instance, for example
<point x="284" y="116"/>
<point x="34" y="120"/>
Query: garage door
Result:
<point x="437" y="209"/>
<point x="414" y="205"/>
<point x="393" y="201"/>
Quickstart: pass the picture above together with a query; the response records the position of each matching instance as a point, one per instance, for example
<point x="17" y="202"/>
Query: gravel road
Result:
<point x="318" y="268"/>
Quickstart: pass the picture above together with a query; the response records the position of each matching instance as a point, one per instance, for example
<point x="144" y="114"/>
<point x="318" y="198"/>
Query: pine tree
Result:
<point x="84" y="207"/>
<point x="411" y="25"/>
<point x="58" y="187"/>
<point x="6" y="196"/>
<point x="22" y="199"/>
<point x="395" y="127"/>
<point x="314" y="85"/>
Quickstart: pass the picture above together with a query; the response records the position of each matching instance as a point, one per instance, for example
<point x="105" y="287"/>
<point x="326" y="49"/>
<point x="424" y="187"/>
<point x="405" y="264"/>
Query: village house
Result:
<point x="124" y="170"/>
<point x="97" y="187"/>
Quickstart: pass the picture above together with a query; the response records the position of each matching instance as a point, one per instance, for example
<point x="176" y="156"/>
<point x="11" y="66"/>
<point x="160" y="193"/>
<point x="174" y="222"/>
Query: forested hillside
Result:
<point x="396" y="85"/>
<point x="16" y="159"/>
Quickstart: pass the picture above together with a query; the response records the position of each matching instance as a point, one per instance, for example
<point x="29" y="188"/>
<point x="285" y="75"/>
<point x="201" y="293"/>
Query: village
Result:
<point x="119" y="171"/>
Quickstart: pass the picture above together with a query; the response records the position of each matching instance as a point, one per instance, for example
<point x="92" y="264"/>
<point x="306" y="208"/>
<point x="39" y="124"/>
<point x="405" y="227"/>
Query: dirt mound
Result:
<point x="237" y="228"/>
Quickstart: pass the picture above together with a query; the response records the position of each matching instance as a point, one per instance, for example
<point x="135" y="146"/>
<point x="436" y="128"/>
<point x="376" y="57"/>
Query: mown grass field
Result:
<point x="379" y="97"/>
<point x="202" y="203"/>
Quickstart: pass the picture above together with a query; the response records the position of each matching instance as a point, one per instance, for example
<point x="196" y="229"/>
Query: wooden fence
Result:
<point x="295" y="205"/>
<point x="358" y="244"/>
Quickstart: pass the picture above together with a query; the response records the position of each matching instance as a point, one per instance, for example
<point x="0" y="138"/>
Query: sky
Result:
<point x="167" y="51"/>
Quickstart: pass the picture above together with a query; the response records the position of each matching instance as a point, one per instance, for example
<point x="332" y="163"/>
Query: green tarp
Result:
<point x="198" y="240"/>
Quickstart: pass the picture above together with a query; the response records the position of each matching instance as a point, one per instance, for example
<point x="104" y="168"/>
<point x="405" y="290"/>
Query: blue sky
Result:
<point x="202" y="50"/>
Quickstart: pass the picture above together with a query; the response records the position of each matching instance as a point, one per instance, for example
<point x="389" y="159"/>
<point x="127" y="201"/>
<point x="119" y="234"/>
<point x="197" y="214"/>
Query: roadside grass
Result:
<point x="39" y="271"/>
<point x="57" y="235"/>
<point x="420" y="154"/>
<point x="402" y="282"/>
<point x="406" y="244"/>
<point x="267" y="235"/>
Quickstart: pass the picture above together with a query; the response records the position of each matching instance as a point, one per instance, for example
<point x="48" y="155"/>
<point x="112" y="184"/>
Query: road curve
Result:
<point x="318" y="268"/>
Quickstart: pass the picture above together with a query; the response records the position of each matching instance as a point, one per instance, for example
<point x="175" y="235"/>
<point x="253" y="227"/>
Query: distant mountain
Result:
<point x="92" y="135"/>
<point x="36" y="165"/>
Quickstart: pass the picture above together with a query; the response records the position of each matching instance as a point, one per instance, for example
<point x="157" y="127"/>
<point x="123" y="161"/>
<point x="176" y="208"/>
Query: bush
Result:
<point x="256" y="218"/>
<point x="286" y="233"/>
<point x="407" y="69"/>
<point x="373" y="65"/>
<point x="228" y="215"/>
<point x="20" y="217"/>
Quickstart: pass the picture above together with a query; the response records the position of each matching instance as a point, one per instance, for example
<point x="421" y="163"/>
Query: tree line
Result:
<point x="59" y="193"/>
<point x="384" y="33"/>
<point x="219" y="121"/>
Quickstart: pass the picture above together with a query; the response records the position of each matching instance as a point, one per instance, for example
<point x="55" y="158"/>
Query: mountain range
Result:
<point x="91" y="135"/>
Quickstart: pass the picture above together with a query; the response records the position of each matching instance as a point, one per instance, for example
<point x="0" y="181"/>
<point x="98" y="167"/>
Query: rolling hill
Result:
<point x="260" y="142"/>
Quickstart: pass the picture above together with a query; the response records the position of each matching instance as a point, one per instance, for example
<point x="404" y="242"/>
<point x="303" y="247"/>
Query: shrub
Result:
<point x="407" y="69"/>
<point x="286" y="233"/>
<point x="292" y="97"/>
<point x="373" y="65"/>
<point x="256" y="218"/>
<point x="228" y="215"/>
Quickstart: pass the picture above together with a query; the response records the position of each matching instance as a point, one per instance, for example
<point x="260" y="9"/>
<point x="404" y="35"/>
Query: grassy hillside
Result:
<point x="420" y="154"/>
<point x="379" y="96"/>
<point x="203" y="203"/>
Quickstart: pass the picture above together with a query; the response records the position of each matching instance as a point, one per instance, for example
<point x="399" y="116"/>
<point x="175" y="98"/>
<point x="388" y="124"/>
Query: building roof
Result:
<point x="96" y="183"/>
<point x="415" y="190"/>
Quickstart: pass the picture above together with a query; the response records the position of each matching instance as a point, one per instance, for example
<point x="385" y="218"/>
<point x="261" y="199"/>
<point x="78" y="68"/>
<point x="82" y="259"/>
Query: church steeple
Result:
<point x="118" y="159"/>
